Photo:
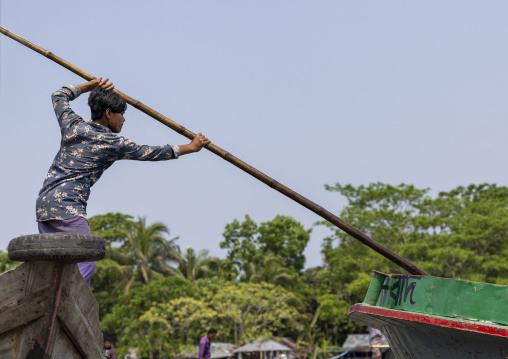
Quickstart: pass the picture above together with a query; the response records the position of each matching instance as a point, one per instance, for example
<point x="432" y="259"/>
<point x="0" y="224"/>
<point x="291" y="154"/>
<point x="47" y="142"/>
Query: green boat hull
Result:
<point x="429" y="317"/>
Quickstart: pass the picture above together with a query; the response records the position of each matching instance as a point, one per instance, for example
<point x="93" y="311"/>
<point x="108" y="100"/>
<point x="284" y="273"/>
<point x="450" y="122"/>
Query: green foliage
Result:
<point x="285" y="236"/>
<point x="261" y="290"/>
<point x="192" y="265"/>
<point x="458" y="234"/>
<point x="129" y="319"/>
<point x="6" y="263"/>
<point x="167" y="315"/>
<point x="252" y="247"/>
<point x="111" y="226"/>
<point x="108" y="278"/>
<point x="270" y="269"/>
<point x="469" y="227"/>
<point x="240" y="241"/>
<point x="149" y="250"/>
<point x="144" y="254"/>
<point x="256" y="310"/>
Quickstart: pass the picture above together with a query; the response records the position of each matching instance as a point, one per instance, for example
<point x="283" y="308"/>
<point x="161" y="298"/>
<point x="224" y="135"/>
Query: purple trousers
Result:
<point x="73" y="225"/>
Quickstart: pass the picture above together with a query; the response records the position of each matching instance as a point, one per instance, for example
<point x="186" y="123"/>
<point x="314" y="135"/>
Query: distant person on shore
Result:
<point x="204" y="344"/>
<point x="110" y="347"/>
<point x="375" y="339"/>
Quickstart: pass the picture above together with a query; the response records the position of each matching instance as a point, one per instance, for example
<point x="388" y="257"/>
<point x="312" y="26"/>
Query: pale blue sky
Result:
<point x="311" y="93"/>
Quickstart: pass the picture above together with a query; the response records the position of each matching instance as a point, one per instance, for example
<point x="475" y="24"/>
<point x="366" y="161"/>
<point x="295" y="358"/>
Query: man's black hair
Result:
<point x="100" y="100"/>
<point x="212" y="331"/>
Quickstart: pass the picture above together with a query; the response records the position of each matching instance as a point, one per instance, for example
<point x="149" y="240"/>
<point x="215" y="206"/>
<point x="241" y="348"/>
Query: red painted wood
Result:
<point x="426" y="319"/>
<point x="56" y="285"/>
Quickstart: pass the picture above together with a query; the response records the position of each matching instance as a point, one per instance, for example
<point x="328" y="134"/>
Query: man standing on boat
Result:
<point x="87" y="149"/>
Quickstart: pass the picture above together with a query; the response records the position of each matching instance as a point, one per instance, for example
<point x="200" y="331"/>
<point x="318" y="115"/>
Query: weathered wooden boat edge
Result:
<point x="48" y="311"/>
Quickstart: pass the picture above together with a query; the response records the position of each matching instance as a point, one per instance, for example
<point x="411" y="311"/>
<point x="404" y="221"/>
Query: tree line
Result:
<point x="160" y="298"/>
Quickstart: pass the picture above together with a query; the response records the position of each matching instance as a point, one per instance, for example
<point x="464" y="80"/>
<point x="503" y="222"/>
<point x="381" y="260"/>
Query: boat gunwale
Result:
<point x="488" y="328"/>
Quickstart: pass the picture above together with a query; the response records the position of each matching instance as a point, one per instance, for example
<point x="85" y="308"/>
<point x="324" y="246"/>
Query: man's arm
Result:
<point x="201" y="353"/>
<point x="197" y="143"/>
<point x="61" y="98"/>
<point x="90" y="85"/>
<point x="125" y="149"/>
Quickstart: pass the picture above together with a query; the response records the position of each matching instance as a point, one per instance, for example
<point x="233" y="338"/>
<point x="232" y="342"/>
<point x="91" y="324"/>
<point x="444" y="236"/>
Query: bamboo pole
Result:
<point x="362" y="237"/>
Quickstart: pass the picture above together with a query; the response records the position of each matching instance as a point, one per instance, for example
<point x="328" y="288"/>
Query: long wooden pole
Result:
<point x="362" y="237"/>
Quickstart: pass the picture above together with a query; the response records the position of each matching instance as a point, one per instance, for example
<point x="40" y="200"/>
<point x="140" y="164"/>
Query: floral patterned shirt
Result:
<point x="87" y="149"/>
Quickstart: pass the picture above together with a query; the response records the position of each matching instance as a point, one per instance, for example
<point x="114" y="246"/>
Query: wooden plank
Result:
<point x="54" y="301"/>
<point x="75" y="287"/>
<point x="13" y="284"/>
<point x="17" y="340"/>
<point x="77" y="327"/>
<point x="38" y="339"/>
<point x="63" y="346"/>
<point x="47" y="307"/>
<point x="8" y="343"/>
<point x="23" y="319"/>
<point x="40" y="274"/>
<point x="25" y="311"/>
<point x="26" y="340"/>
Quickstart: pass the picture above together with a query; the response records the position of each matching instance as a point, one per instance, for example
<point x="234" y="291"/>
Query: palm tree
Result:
<point x="191" y="265"/>
<point x="115" y="273"/>
<point x="270" y="270"/>
<point x="148" y="250"/>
